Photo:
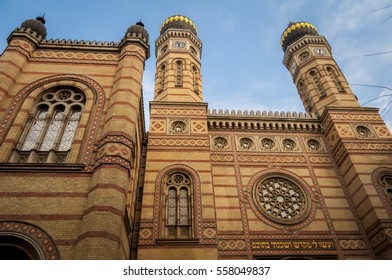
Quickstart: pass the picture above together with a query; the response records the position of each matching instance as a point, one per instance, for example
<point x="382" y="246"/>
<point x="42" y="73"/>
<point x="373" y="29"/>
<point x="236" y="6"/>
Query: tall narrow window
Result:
<point x="178" y="220"/>
<point x="304" y="96"/>
<point x="195" y="79"/>
<point x="179" y="74"/>
<point x="70" y="129"/>
<point x="317" y="82"/>
<point x="37" y="126"/>
<point x="51" y="127"/>
<point x="332" y="74"/>
<point x="161" y="78"/>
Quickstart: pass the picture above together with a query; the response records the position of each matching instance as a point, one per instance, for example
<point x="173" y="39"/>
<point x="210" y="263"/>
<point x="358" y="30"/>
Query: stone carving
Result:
<point x="288" y="145"/>
<point x="313" y="145"/>
<point x="267" y="144"/>
<point x="178" y="126"/>
<point x="281" y="200"/>
<point x="363" y="131"/>
<point x="246" y="143"/>
<point x="220" y="143"/>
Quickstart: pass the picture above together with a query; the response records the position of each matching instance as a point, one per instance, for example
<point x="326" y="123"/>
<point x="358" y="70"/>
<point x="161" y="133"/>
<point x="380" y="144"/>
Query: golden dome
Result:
<point x="295" y="31"/>
<point x="178" y="22"/>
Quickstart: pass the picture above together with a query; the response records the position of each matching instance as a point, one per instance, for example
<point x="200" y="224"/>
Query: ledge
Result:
<point x="178" y="242"/>
<point x="40" y="167"/>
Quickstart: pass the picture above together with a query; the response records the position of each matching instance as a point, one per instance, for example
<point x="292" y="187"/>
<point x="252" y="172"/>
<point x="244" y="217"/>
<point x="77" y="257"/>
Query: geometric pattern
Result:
<point x="209" y="232"/>
<point x="145" y="233"/>
<point x="352" y="244"/>
<point x="231" y="244"/>
<point x="382" y="130"/>
<point x="199" y="126"/>
<point x="158" y="126"/>
<point x="30" y="232"/>
<point x="344" y="130"/>
<point x="381" y="236"/>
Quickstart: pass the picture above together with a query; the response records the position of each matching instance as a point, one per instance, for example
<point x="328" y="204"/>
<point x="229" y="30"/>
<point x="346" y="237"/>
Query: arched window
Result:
<point x="334" y="77"/>
<point x="51" y="127"/>
<point x="315" y="76"/>
<point x="161" y="78"/>
<point x="195" y="79"/>
<point x="304" y="96"/>
<point x="177" y="206"/>
<point x="385" y="181"/>
<point x="179" y="74"/>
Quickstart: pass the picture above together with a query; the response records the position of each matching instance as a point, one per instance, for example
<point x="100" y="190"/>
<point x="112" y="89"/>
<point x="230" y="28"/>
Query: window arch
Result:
<point x="315" y="77"/>
<point x="24" y="241"/>
<point x="334" y="76"/>
<point x="179" y="73"/>
<point x="304" y="96"/>
<point x="51" y="127"/>
<point x="161" y="78"/>
<point x="195" y="79"/>
<point x="177" y="206"/>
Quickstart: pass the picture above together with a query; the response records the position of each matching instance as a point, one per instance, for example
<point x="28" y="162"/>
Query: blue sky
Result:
<point x="242" y="60"/>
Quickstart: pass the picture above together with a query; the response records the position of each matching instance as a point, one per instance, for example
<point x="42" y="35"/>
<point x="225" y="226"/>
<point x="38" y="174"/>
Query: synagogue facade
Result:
<point x="80" y="178"/>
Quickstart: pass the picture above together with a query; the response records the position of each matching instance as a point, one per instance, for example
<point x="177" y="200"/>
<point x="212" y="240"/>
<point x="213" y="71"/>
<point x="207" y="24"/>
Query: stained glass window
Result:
<point x="178" y="211"/>
<point x="52" y="127"/>
<point x="70" y="130"/>
<point x="53" y="130"/>
<point x="172" y="207"/>
<point x="35" y="130"/>
<point x="183" y="206"/>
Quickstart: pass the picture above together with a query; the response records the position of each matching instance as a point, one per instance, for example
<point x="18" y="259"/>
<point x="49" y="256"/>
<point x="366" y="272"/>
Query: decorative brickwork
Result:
<point x="40" y="240"/>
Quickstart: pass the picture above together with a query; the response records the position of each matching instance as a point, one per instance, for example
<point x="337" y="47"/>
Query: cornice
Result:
<point x="306" y="40"/>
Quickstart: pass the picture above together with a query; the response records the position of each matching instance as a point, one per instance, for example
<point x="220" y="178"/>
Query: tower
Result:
<point x="178" y="152"/>
<point x="82" y="123"/>
<point x="358" y="138"/>
<point x="308" y="57"/>
<point x="178" y="52"/>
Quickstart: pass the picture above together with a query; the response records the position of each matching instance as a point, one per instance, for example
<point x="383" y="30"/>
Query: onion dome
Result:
<point x="138" y="28"/>
<point x="178" y="22"/>
<point x="295" y="31"/>
<point x="37" y="25"/>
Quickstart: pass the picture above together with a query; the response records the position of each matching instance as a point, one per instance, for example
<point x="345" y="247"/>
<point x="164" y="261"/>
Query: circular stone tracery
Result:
<point x="281" y="200"/>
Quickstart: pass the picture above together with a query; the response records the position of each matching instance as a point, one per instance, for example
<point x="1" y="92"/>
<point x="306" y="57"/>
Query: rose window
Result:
<point x="220" y="143"/>
<point x="178" y="127"/>
<point x="246" y="143"/>
<point x="267" y="144"/>
<point x="288" y="144"/>
<point x="313" y="145"/>
<point x="281" y="200"/>
<point x="363" y="131"/>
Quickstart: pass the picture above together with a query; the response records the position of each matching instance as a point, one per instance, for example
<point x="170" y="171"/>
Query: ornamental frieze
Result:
<point x="177" y="112"/>
<point x="193" y="143"/>
<point x="271" y="159"/>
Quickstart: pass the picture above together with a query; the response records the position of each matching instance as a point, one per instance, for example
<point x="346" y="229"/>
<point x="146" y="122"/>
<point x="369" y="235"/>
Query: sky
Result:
<point x="241" y="58"/>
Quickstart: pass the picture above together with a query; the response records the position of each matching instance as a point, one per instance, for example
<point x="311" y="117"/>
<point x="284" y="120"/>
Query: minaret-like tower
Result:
<point x="178" y="145"/>
<point x="308" y="57"/>
<point x="178" y="53"/>
<point x="358" y="139"/>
